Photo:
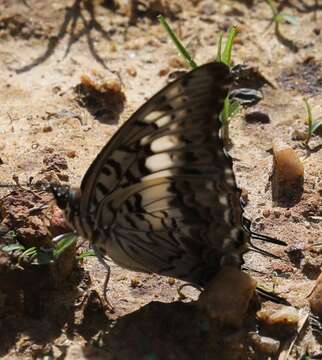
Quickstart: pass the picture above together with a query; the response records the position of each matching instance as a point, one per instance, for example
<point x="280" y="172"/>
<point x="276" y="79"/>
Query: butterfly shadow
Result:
<point x="286" y="195"/>
<point x="162" y="331"/>
<point x="144" y="333"/>
<point x="44" y="311"/>
<point x="82" y="11"/>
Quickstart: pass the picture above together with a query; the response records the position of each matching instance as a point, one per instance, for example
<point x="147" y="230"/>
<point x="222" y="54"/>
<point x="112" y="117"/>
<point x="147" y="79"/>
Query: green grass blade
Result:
<point x="177" y="42"/>
<point x="309" y="115"/>
<point x="32" y="251"/>
<point x="218" y="58"/>
<point x="272" y="6"/>
<point x="226" y="54"/>
<point x="234" y="108"/>
<point x="279" y="19"/>
<point x="315" y="125"/>
<point x="223" y="117"/>
<point x="85" y="254"/>
<point x="63" y="244"/>
<point x="229" y="110"/>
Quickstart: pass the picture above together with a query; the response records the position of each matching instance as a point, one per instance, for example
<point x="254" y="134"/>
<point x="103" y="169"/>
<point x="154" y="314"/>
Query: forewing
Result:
<point x="162" y="137"/>
<point x="162" y="194"/>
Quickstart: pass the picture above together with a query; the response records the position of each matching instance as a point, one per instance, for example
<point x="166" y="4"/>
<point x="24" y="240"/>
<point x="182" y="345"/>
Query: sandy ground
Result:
<point x="45" y="48"/>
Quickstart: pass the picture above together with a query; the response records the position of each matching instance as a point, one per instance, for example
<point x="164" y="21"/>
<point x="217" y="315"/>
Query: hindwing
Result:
<point x="161" y="195"/>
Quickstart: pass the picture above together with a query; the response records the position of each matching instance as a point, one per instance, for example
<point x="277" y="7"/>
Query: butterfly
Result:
<point x="161" y="196"/>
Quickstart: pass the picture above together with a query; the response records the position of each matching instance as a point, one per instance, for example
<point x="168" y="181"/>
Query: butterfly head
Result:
<point x="62" y="195"/>
<point x="68" y="200"/>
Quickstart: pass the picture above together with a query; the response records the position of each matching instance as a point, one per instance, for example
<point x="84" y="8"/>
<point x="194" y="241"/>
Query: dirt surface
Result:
<point x="50" y="128"/>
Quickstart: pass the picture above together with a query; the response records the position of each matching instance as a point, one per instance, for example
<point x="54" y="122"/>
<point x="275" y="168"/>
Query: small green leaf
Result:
<point x="30" y="252"/>
<point x="290" y="19"/>
<point x="85" y="254"/>
<point x="279" y="19"/>
<point x="13" y="247"/>
<point x="229" y="110"/>
<point x="234" y="108"/>
<point x="223" y="117"/>
<point x="183" y="51"/>
<point x="63" y="244"/>
<point x="315" y="125"/>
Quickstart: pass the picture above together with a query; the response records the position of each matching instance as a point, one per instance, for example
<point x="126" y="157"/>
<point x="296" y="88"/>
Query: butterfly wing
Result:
<point x="161" y="195"/>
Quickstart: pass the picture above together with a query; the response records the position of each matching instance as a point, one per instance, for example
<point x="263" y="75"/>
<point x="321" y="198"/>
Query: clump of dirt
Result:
<point x="55" y="165"/>
<point x="104" y="98"/>
<point x="152" y="8"/>
<point x="29" y="221"/>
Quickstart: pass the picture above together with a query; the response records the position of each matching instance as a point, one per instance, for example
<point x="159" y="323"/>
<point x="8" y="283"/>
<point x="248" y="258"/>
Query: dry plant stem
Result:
<point x="285" y="353"/>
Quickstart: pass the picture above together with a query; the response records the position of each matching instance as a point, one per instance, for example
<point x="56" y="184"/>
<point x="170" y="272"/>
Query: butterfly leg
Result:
<point x="102" y="260"/>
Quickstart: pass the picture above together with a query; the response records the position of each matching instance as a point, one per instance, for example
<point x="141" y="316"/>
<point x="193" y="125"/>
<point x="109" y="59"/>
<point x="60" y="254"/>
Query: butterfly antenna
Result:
<point x="263" y="252"/>
<point x="9" y="185"/>
<point x="269" y="295"/>
<point x="247" y="268"/>
<point x="43" y="186"/>
<point x="246" y="224"/>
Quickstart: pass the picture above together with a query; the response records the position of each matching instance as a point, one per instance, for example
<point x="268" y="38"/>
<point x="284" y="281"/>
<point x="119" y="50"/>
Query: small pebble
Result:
<point x="164" y="71"/>
<point x="171" y="281"/>
<point x="71" y="154"/>
<point x="266" y="213"/>
<point x="75" y="352"/>
<point x="278" y="314"/>
<point x="113" y="46"/>
<point x="287" y="213"/>
<point x="223" y="302"/>
<point x="131" y="71"/>
<point x="207" y="8"/>
<point x="265" y="344"/>
<point x="299" y="135"/>
<point x="296" y="250"/>
<point x="63" y="177"/>
<point x="277" y="213"/>
<point x="177" y="62"/>
<point x="287" y="165"/>
<point x="47" y="129"/>
<point x="135" y="282"/>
